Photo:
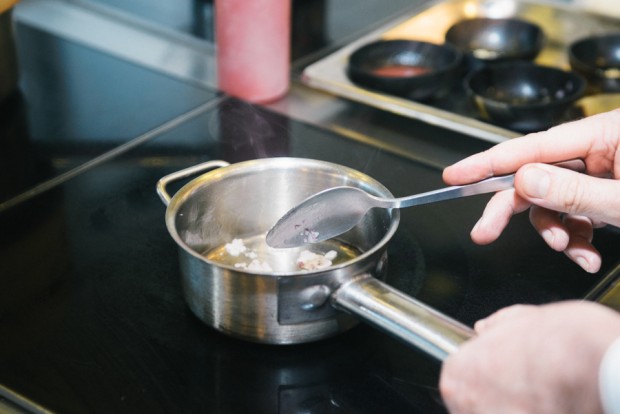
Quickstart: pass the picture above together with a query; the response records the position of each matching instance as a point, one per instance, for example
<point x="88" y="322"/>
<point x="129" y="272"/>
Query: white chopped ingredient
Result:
<point x="259" y="266"/>
<point x="308" y="260"/>
<point x="310" y="236"/>
<point x="255" y="265"/>
<point x="236" y="247"/>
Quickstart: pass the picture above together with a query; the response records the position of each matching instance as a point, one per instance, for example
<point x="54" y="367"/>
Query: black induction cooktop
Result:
<point x="93" y="318"/>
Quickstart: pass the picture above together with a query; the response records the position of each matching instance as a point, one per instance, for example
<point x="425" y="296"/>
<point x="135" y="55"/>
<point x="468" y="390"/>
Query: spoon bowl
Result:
<point x="336" y="210"/>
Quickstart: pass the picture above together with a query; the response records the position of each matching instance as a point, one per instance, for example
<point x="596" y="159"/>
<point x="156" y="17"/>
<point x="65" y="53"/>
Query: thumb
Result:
<point x="570" y="192"/>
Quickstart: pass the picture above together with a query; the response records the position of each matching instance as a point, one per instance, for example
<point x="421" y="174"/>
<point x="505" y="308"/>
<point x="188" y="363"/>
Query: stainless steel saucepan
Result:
<point x="276" y="302"/>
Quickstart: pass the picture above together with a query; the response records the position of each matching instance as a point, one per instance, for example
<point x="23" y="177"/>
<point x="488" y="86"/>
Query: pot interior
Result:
<point x="243" y="201"/>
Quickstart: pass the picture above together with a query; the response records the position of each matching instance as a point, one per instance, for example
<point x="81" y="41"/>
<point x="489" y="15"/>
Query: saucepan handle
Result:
<point x="406" y="318"/>
<point x="187" y="172"/>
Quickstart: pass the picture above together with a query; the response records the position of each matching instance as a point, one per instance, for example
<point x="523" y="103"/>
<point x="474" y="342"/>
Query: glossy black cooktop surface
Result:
<point x="93" y="317"/>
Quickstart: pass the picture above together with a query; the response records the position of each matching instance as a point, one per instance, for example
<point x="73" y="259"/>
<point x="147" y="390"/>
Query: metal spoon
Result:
<point x="331" y="212"/>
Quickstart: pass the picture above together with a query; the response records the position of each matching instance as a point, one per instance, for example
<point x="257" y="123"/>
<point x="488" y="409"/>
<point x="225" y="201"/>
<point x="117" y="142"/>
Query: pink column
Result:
<point x="253" y="48"/>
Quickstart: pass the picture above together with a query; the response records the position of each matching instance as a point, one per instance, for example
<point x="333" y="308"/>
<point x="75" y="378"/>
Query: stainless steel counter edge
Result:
<point x="14" y="403"/>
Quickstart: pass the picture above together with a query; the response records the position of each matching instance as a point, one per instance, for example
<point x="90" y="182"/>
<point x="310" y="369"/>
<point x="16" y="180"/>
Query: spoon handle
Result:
<point x="489" y="185"/>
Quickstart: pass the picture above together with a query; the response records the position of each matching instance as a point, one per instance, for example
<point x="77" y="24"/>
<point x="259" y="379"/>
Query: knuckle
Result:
<point x="571" y="196"/>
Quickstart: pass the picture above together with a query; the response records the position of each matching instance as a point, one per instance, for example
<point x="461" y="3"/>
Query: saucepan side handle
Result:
<point x="187" y="172"/>
<point x="406" y="318"/>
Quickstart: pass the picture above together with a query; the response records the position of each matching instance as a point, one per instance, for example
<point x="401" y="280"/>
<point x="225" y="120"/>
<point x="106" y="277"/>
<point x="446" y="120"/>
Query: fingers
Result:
<point x="594" y="138"/>
<point x="500" y="370"/>
<point x="566" y="191"/>
<point x="571" y="234"/>
<point x="596" y="141"/>
<point x="500" y="208"/>
<point x="551" y="228"/>
<point x="580" y="249"/>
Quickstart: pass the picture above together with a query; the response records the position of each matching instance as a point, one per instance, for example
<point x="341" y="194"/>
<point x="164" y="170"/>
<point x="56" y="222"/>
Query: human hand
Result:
<point x="564" y="205"/>
<point x="532" y="359"/>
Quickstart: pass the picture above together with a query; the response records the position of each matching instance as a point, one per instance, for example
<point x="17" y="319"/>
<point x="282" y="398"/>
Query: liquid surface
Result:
<point x="278" y="260"/>
<point x="400" y="71"/>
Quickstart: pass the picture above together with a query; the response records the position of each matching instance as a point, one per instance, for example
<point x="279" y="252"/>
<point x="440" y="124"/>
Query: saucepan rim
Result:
<point x="258" y="165"/>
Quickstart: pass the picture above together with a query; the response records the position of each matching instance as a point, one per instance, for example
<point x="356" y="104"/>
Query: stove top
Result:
<point x="93" y="318"/>
<point x="92" y="315"/>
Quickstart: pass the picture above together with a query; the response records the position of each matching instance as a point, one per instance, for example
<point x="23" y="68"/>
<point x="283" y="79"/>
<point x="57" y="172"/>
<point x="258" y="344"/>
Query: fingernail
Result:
<point x="476" y="227"/>
<point x="581" y="261"/>
<point x="548" y="236"/>
<point x="536" y="182"/>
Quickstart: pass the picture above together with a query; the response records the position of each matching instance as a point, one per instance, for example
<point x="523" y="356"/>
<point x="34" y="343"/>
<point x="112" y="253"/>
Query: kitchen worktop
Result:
<point x="92" y="315"/>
